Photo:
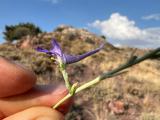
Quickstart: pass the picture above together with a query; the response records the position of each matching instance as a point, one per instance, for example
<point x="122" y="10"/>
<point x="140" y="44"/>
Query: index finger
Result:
<point x="14" y="79"/>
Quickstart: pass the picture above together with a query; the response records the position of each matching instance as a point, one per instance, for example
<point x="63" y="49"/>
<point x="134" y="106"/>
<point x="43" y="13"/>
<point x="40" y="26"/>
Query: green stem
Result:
<point x="62" y="68"/>
<point x="65" y="76"/>
<point x="82" y="87"/>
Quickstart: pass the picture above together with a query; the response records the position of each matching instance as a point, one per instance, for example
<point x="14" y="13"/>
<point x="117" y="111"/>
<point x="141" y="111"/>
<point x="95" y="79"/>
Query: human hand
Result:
<point x="21" y="99"/>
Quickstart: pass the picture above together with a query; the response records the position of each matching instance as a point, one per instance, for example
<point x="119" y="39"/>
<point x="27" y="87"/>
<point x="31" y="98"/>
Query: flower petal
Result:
<point x="72" y="59"/>
<point x="56" y="49"/>
<point x="42" y="50"/>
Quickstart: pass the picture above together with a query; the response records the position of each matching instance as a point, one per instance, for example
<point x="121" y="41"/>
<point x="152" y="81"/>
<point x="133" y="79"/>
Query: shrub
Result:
<point x="16" y="32"/>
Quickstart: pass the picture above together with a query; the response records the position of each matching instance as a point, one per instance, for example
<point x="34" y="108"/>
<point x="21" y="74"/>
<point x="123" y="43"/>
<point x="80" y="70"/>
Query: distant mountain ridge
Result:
<point x="64" y="33"/>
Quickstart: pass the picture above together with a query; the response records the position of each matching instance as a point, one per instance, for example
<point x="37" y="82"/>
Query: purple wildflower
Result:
<point x="57" y="52"/>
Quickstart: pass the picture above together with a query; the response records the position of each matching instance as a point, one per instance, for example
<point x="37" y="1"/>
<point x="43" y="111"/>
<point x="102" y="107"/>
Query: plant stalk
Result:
<point x="132" y="61"/>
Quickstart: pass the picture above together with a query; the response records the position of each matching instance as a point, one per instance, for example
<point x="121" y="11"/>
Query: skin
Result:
<point x="21" y="99"/>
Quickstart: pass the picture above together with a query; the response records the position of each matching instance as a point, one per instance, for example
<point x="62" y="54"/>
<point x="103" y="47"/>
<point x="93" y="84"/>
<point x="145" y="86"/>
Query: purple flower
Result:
<point x="57" y="52"/>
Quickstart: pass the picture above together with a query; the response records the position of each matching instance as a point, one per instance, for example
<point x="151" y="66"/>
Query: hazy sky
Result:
<point x="123" y="22"/>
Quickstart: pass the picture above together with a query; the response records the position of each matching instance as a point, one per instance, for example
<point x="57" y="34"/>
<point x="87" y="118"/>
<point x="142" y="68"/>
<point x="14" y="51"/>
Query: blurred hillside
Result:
<point x="131" y="96"/>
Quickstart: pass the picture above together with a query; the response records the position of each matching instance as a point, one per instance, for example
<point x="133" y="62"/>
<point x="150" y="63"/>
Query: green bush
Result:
<point x="20" y="32"/>
<point x="16" y="32"/>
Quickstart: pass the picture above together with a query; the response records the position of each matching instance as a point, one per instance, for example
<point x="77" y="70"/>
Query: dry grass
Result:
<point x="138" y="90"/>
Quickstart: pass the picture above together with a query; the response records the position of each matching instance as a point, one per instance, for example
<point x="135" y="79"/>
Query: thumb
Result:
<point x="37" y="113"/>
